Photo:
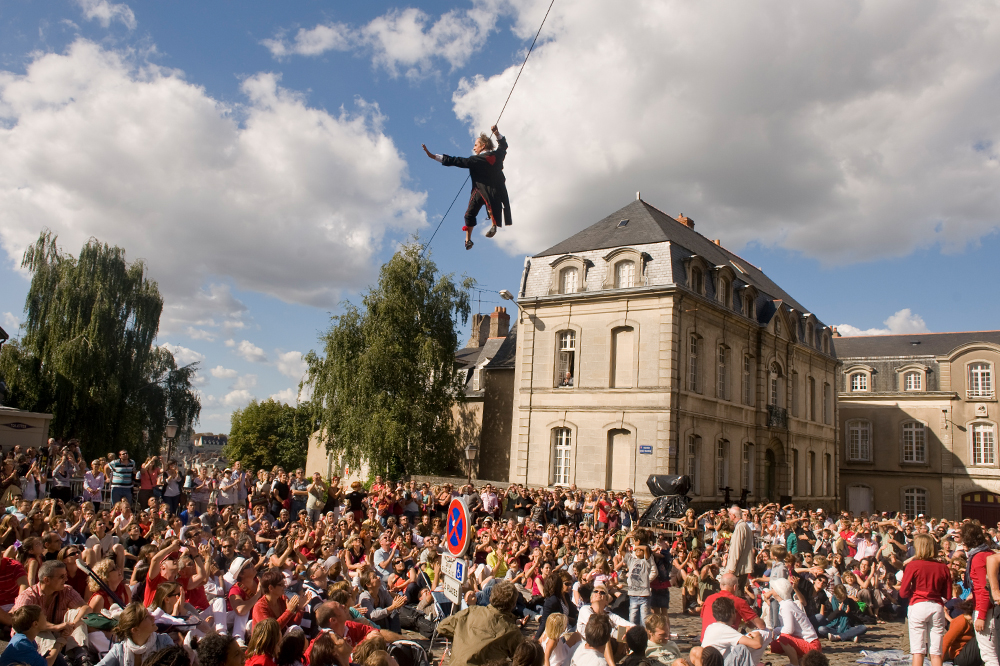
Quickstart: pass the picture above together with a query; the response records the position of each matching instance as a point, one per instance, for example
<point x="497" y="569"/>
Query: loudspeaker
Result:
<point x="668" y="484"/>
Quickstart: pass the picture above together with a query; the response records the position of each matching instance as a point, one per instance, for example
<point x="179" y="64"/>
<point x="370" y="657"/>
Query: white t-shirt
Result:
<point x="721" y="636"/>
<point x="587" y="657"/>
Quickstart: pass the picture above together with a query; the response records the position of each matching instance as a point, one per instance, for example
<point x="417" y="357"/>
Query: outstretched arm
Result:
<point x="430" y="154"/>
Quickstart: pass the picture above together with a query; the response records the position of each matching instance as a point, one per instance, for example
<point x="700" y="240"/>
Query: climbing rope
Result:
<point x="516" y="79"/>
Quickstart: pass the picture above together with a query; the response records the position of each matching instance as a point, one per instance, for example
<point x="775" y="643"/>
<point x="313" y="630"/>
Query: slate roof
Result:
<point x="467" y="358"/>
<point x="646" y="225"/>
<point x="928" y="344"/>
<point x="506" y="354"/>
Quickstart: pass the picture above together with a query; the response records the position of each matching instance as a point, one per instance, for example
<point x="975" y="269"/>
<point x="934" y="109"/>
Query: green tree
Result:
<point x="87" y="353"/>
<point x="269" y="433"/>
<point x="385" y="386"/>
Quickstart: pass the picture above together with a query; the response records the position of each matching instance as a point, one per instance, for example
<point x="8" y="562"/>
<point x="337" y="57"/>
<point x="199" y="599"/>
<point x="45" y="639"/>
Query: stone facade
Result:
<point x="919" y="421"/>
<point x="644" y="347"/>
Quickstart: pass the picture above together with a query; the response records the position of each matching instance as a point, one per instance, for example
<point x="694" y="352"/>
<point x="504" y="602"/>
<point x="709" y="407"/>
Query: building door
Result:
<point x="982" y="506"/>
<point x="621" y="357"/>
<point x="770" y="476"/>
<point x="619" y="460"/>
<point x="859" y="499"/>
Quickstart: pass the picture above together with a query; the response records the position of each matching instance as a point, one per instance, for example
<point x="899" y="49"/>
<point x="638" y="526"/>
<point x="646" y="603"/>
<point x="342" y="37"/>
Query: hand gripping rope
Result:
<point x="518" y="78"/>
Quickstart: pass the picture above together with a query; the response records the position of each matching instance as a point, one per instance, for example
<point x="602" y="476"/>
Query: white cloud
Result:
<point x="236" y="399"/>
<point x="245" y="382"/>
<point x="847" y="131"/>
<point x="899" y="323"/>
<point x="105" y="12"/>
<point x="401" y="39"/>
<point x="183" y="355"/>
<point x="291" y="364"/>
<point x="199" y="380"/>
<point x="288" y="396"/>
<point x="199" y="334"/>
<point x="276" y="196"/>
<point x="220" y="372"/>
<point x="11" y="322"/>
<point x="250" y="352"/>
<point x="230" y="342"/>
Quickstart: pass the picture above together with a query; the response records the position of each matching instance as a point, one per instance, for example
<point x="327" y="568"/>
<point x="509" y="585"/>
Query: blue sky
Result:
<point x="264" y="158"/>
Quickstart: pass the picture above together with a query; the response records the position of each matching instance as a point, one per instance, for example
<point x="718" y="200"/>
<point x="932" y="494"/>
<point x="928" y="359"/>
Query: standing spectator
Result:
<point x="640" y="570"/>
<point x="93" y="484"/>
<point x="122" y="473"/>
<point x="149" y="477"/>
<point x="978" y="551"/>
<point x="317" y="496"/>
<point x="927" y="583"/>
<point x="300" y="492"/>
<point x="740" y="559"/>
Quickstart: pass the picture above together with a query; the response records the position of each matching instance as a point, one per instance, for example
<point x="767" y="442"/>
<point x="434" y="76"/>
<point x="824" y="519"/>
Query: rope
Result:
<point x="516" y="79"/>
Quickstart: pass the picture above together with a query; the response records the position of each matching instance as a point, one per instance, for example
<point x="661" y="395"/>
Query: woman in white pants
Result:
<point x="927" y="583"/>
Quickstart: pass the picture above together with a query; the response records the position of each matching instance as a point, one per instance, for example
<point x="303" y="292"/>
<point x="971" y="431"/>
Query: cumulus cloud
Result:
<point x="899" y="323"/>
<point x="105" y="12"/>
<point x="11" y="322"/>
<point x="846" y="131"/>
<point x="236" y="399"/>
<point x="245" y="382"/>
<point x="220" y="372"/>
<point x="249" y="351"/>
<point x="183" y="355"/>
<point x="404" y="40"/>
<point x="288" y="396"/>
<point x="279" y="197"/>
<point x="291" y="364"/>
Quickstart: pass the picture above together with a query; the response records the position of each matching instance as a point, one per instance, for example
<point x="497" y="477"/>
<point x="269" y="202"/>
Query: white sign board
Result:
<point x="454" y="567"/>
<point x="452" y="589"/>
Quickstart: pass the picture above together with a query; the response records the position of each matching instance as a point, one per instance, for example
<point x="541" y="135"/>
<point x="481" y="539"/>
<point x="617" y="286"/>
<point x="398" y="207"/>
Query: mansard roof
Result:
<point x="647" y="225"/>
<point x="920" y="344"/>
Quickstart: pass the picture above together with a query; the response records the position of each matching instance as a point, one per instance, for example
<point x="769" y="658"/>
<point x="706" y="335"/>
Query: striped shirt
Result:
<point x="121" y="474"/>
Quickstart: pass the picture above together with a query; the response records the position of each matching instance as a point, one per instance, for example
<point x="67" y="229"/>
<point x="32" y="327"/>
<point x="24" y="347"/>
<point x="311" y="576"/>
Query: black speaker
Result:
<point x="668" y="484"/>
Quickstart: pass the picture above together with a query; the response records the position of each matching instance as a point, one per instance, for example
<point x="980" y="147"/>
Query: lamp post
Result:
<point x="170" y="431"/>
<point x="470" y="454"/>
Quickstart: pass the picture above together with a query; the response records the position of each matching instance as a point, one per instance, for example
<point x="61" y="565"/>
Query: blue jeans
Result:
<point x="638" y="610"/>
<point x="847" y="635"/>
<point x="120" y="493"/>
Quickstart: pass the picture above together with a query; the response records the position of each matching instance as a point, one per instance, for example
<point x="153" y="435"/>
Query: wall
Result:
<point x="23" y="428"/>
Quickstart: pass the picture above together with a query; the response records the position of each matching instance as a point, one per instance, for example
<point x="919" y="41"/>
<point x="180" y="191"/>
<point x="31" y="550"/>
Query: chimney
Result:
<point x="686" y="221"/>
<point x="638" y="196"/>
<point x="834" y="332"/>
<point x="499" y="322"/>
<point x="480" y="330"/>
<point x="718" y="241"/>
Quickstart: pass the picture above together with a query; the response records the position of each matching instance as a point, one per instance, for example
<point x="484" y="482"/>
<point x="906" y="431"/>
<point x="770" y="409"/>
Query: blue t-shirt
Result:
<point x="22" y="650"/>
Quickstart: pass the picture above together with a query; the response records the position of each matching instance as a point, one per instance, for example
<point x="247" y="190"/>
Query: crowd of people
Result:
<point x="156" y="564"/>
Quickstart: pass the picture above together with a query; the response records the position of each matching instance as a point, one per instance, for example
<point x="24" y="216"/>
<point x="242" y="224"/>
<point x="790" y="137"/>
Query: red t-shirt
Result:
<point x="262" y="611"/>
<point x="10" y="572"/>
<point x="743" y="610"/>
<point x="925" y="580"/>
<point x="260" y="660"/>
<point x="602" y="511"/>
<point x="197" y="598"/>
<point x="153" y="583"/>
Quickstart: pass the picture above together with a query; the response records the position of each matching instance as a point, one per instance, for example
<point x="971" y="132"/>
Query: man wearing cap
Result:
<point x="243" y="595"/>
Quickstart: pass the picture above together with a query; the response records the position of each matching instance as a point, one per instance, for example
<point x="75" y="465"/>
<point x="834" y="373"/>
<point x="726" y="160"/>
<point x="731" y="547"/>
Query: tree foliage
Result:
<point x="386" y="382"/>
<point x="269" y="433"/>
<point x="87" y="353"/>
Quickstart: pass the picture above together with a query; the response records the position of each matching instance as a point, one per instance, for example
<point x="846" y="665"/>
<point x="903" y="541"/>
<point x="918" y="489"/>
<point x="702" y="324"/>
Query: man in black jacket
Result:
<point x="489" y="186"/>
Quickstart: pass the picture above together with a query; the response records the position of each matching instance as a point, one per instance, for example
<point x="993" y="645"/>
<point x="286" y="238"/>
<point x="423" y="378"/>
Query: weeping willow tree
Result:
<point x="386" y="382"/>
<point x="87" y="355"/>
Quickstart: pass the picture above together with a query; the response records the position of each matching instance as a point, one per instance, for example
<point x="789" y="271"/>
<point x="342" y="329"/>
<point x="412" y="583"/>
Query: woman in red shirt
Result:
<point x="272" y="604"/>
<point x="262" y="649"/>
<point x="927" y="583"/>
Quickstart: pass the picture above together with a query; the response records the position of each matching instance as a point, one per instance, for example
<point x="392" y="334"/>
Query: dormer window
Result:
<point x="624" y="274"/>
<point x="810" y="337"/>
<point x="913" y="381"/>
<point x="569" y="278"/>
<point x="859" y="381"/>
<point x="697" y="280"/>
<point x="724" y="292"/>
<point x="749" y="306"/>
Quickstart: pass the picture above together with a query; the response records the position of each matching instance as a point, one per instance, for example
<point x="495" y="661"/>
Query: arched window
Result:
<point x="566" y="359"/>
<point x="811" y="474"/>
<point x="983" y="444"/>
<point x="748" y="464"/>
<point x="859" y="441"/>
<point x="776" y="385"/>
<point x="693" y="469"/>
<point x="813" y="416"/>
<point x="725" y="291"/>
<point x="859" y="381"/>
<point x="810" y="338"/>
<point x="722" y="464"/>
<point x="562" y="449"/>
<point x="569" y="280"/>
<point x="748" y="380"/>
<point x="914" y="501"/>
<point x="913" y="381"/>
<point x="826" y="344"/>
<point x="794" y="378"/>
<point x="624" y="274"/>
<point x="697" y="280"/>
<point x="980" y="380"/>
<point x="694" y="347"/>
<point x="914" y="442"/>
<point x="827" y="403"/>
<point x="722" y="385"/>
<point x="749" y="308"/>
<point x="827" y="474"/>
<point x="794" y="476"/>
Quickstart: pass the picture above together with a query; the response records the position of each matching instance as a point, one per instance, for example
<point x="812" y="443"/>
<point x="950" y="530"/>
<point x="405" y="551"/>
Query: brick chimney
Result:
<point x="499" y="322"/>
<point x="480" y="330"/>
<point x="686" y="221"/>
<point x="834" y="332"/>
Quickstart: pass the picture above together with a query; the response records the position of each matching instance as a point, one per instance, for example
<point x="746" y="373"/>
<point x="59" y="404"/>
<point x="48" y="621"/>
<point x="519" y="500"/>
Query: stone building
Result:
<point x="644" y="347"/>
<point x="919" y="421"/>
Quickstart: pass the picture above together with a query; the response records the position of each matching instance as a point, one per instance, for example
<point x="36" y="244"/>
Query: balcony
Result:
<point x="777" y="417"/>
<point x="979" y="394"/>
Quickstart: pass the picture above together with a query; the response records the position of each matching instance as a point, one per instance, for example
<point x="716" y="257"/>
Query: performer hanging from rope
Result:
<point x="489" y="187"/>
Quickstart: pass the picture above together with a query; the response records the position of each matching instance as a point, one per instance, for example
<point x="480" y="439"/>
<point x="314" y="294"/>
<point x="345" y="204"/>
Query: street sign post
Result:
<point x="453" y="567"/>
<point x="452" y="589"/>
<point x="458" y="532"/>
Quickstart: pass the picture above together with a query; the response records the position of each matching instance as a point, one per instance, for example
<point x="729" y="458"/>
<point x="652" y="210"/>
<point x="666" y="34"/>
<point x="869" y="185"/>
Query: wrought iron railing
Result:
<point x="777" y="417"/>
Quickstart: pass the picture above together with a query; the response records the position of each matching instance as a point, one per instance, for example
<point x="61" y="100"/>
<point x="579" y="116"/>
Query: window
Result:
<point x="794" y="476"/>
<point x="724" y="292"/>
<point x="722" y="464"/>
<point x="810" y="337"/>
<point x="562" y="449"/>
<point x="811" y="474"/>
<point x="568" y="280"/>
<point x="624" y="274"/>
<point x="694" y="461"/>
<point x="913" y="381"/>
<point x="914" y="443"/>
<point x="826" y="345"/>
<point x="812" y="399"/>
<point x="827" y="474"/>
<point x="749" y="308"/>
<point x="775" y="377"/>
<point x="694" y="342"/>
<point x="859" y="381"/>
<point x="723" y="375"/>
<point x="795" y="393"/>
<point x="980" y="380"/>
<point x="827" y="403"/>
<point x="914" y="501"/>
<point x="748" y="462"/>
<point x="697" y="281"/>
<point x="566" y="359"/>
<point x="859" y="438"/>
<point x="748" y="380"/>
<point x="983" y="444"/>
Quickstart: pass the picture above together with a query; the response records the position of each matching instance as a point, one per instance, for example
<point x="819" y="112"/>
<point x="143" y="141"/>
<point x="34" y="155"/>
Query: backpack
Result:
<point x="408" y="653"/>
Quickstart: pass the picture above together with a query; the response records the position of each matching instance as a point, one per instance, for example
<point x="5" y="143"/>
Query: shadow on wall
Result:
<point x="468" y="430"/>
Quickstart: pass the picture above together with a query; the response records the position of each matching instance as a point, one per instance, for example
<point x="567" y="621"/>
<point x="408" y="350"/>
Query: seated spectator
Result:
<point x="744" y="613"/>
<point x="797" y="634"/>
<point x="844" y="621"/>
<point x="484" y="633"/>
<point x="219" y="650"/>
<point x="263" y="646"/>
<point x="659" y="647"/>
<point x="22" y="649"/>
<point x="597" y="650"/>
<point x="382" y="609"/>
<point x="136" y="632"/>
<point x="558" y="646"/>
<point x="724" y="637"/>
